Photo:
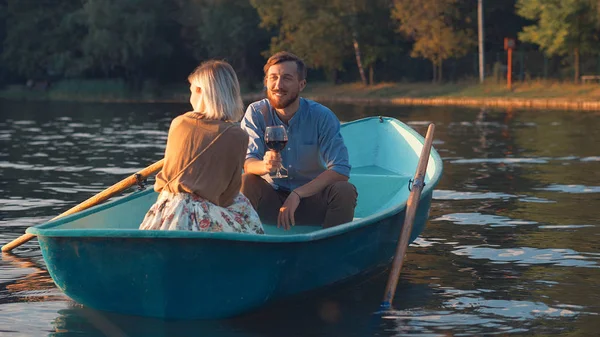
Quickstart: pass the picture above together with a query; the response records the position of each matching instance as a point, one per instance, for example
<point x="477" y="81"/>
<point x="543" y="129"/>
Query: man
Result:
<point x="316" y="190"/>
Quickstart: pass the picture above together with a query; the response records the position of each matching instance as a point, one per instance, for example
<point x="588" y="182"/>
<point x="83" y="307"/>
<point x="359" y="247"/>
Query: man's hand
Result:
<point x="272" y="161"/>
<point x="287" y="210"/>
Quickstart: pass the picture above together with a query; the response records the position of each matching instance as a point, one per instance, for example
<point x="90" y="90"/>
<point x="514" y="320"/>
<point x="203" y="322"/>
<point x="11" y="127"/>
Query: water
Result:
<point x="512" y="246"/>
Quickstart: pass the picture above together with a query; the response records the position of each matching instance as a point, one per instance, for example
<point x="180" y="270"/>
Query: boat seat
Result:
<point x="377" y="188"/>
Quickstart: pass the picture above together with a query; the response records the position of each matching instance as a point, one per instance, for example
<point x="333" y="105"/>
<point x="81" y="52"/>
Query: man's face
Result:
<point x="283" y="84"/>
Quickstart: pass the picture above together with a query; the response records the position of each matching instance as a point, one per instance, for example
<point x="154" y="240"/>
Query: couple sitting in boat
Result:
<point x="202" y="187"/>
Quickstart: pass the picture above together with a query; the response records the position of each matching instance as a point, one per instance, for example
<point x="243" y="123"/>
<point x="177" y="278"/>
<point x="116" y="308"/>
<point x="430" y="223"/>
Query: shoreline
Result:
<point x="385" y="94"/>
<point x="534" y="103"/>
<point x="491" y="102"/>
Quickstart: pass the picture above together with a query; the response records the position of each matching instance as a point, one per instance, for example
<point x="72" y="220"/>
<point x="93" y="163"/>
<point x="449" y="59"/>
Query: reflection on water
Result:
<point x="571" y="188"/>
<point x="526" y="255"/>
<point x="482" y="219"/>
<point x="511" y="249"/>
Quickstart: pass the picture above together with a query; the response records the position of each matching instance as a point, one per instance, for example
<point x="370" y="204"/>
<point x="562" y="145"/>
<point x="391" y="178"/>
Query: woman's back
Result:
<point x="204" y="158"/>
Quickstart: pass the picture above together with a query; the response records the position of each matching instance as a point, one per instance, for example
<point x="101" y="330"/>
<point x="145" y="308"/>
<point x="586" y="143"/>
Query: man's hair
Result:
<point x="220" y="98"/>
<point x="284" y="56"/>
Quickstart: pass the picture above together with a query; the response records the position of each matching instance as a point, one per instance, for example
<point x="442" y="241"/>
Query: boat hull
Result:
<point x="187" y="278"/>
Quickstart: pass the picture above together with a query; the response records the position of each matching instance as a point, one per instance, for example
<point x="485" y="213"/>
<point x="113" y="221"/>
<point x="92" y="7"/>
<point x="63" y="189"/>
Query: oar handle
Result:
<point x="96" y="199"/>
<point x="411" y="210"/>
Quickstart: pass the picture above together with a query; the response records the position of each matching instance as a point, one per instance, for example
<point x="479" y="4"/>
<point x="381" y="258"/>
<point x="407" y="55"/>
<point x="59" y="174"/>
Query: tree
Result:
<point x="371" y="31"/>
<point x="431" y="24"/>
<point x="563" y="26"/>
<point x="224" y="29"/>
<point x="41" y="38"/>
<point x="326" y="33"/>
<point x="127" y="38"/>
<point x="376" y="33"/>
<point x="309" y="28"/>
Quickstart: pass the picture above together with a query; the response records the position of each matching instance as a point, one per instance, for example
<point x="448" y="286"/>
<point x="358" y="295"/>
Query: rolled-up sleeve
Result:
<point x="331" y="143"/>
<point x="254" y="125"/>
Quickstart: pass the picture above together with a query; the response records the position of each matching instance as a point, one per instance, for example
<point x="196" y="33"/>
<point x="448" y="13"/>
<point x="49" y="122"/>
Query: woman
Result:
<point x="200" y="181"/>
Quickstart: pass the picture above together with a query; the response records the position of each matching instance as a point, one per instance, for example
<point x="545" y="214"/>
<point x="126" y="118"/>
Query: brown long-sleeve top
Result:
<point x="216" y="175"/>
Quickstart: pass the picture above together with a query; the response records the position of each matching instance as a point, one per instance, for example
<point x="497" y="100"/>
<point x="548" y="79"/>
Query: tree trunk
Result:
<point x="576" y="65"/>
<point x="358" y="61"/>
<point x="434" y="79"/>
<point x="440" y="71"/>
<point x="371" y="75"/>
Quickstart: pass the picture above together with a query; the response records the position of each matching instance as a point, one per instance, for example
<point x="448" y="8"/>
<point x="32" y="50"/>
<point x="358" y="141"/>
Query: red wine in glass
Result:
<point x="276" y="145"/>
<point x="275" y="139"/>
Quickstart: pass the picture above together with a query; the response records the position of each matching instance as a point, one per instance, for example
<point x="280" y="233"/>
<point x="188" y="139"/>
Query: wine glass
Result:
<point x="276" y="138"/>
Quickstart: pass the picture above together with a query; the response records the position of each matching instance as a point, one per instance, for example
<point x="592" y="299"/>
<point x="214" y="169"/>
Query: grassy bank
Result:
<point x="534" y="94"/>
<point x="530" y="90"/>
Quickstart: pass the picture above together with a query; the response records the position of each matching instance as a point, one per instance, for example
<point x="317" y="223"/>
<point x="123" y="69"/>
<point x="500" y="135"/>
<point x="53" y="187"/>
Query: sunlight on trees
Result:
<point x="563" y="27"/>
<point x="430" y="23"/>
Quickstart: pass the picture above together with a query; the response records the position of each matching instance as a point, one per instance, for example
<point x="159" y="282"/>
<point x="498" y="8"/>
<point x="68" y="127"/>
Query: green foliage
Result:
<point x="323" y="32"/>
<point x="431" y="24"/>
<point x="41" y="39"/>
<point x="376" y="33"/>
<point x="561" y="25"/>
<point x="312" y="29"/>
<point x="222" y="29"/>
<point x="126" y="37"/>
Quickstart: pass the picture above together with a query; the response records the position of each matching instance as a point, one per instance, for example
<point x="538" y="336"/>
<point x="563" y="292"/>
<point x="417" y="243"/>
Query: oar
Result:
<point x="411" y="209"/>
<point x="96" y="199"/>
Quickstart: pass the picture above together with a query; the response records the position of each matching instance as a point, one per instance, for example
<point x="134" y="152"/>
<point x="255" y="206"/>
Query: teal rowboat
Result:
<point x="100" y="259"/>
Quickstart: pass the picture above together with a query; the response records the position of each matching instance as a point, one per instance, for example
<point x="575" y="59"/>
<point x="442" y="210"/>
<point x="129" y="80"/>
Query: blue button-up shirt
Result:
<point x="315" y="143"/>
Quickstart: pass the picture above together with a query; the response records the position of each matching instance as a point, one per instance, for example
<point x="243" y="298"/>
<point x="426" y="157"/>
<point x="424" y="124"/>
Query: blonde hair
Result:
<point x="220" y="98"/>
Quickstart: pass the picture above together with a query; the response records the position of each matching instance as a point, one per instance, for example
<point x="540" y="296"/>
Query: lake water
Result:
<point x="512" y="246"/>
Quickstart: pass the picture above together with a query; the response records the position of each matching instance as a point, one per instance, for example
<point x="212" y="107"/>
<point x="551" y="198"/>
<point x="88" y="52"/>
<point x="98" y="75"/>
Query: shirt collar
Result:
<point x="301" y="110"/>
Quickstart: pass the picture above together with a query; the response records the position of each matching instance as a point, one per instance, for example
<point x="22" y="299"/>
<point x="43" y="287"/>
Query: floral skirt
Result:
<point x="184" y="211"/>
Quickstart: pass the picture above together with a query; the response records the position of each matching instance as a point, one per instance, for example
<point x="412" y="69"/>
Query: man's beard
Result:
<point x="277" y="103"/>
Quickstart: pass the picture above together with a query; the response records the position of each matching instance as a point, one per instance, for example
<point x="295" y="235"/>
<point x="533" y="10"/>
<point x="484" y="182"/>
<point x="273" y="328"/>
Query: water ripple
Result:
<point x="29" y="167"/>
<point x="537" y="200"/>
<point x="519" y="310"/>
<point x="525" y="256"/>
<point x="20" y="204"/>
<point x="457" y="195"/>
<point x="565" y="226"/>
<point x="116" y="170"/>
<point x="463" y="195"/>
<point x="22" y="122"/>
<point x="433" y="323"/>
<point x="570" y="188"/>
<point x="482" y="219"/>
<point x="82" y="135"/>
<point x="501" y="161"/>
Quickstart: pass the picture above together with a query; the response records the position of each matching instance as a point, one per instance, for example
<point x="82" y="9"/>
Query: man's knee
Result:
<point x="343" y="192"/>
<point x="249" y="179"/>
